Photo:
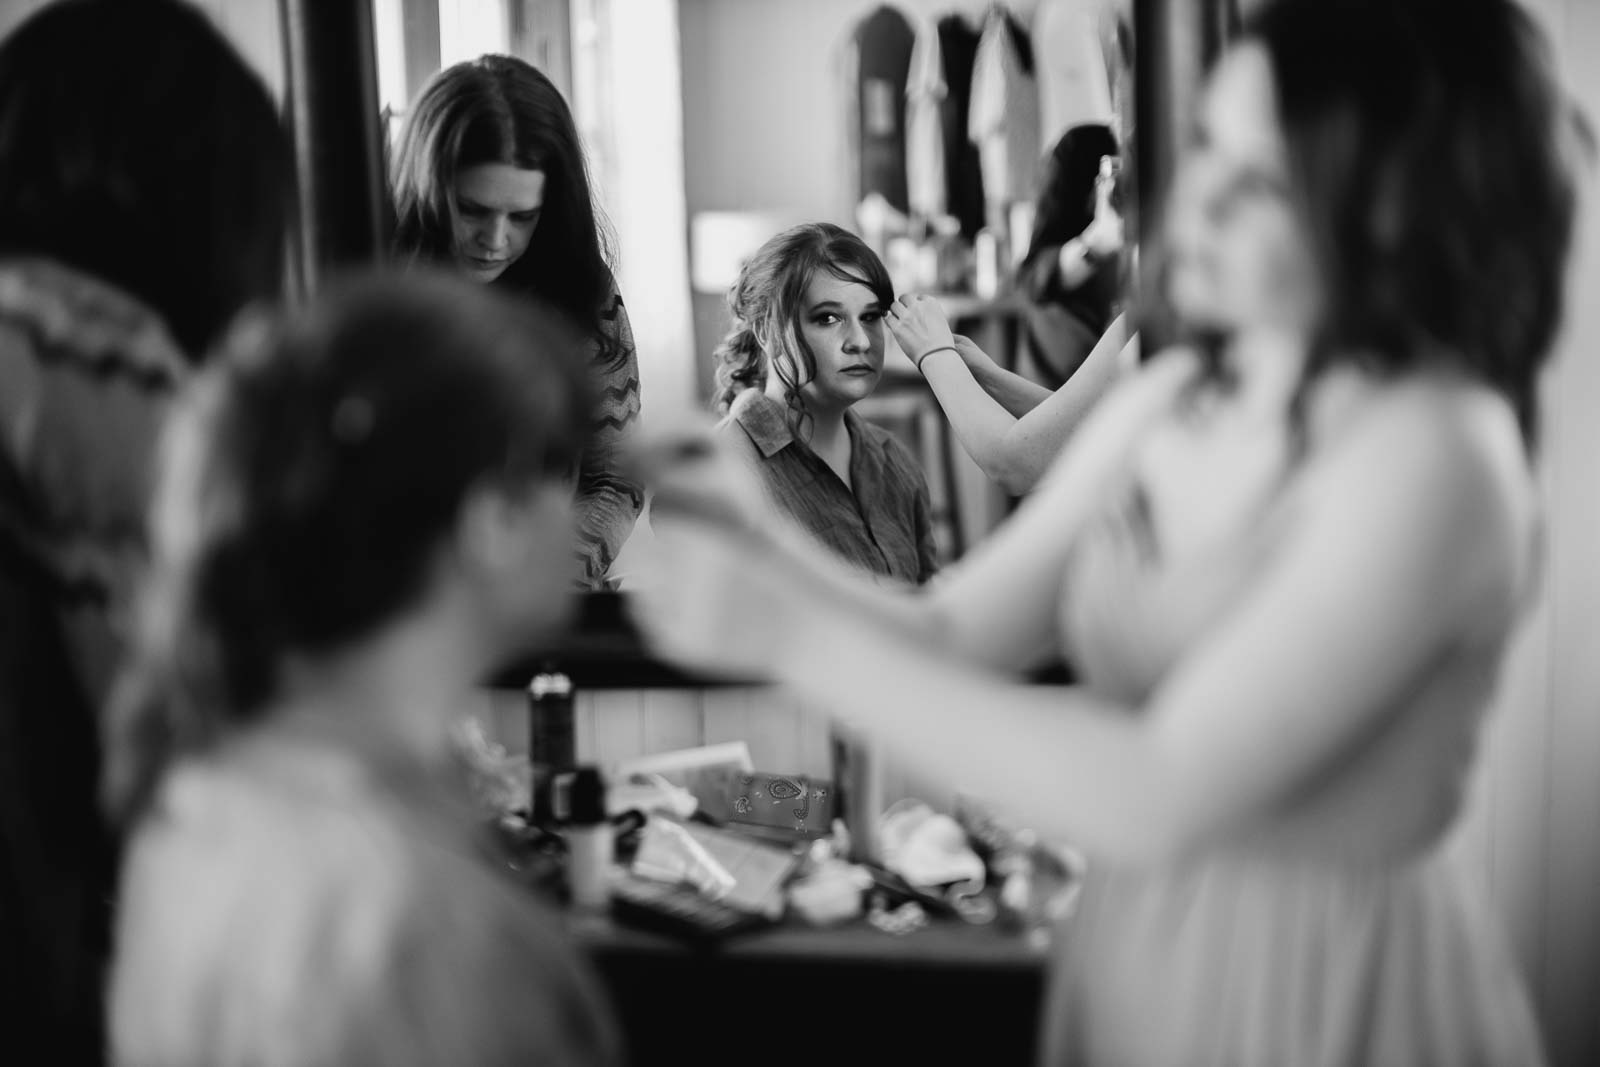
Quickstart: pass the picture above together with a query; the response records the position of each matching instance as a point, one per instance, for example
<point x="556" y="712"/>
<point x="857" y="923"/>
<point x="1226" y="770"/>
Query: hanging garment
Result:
<point x="1073" y="71"/>
<point x="963" y="174"/>
<point x="879" y="61"/>
<point x="926" y="91"/>
<point x="1004" y="110"/>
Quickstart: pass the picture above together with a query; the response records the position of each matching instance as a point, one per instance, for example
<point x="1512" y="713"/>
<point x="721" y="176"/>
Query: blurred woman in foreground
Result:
<point x="362" y="510"/>
<point x="1287" y="568"/>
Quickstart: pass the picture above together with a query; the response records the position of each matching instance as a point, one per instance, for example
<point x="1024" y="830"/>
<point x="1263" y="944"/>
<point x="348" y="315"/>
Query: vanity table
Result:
<point x="950" y="992"/>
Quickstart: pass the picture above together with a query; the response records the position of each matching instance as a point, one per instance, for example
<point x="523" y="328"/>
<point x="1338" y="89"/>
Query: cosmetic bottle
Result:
<point x="552" y="740"/>
<point x="858" y="791"/>
<point x="590" y="849"/>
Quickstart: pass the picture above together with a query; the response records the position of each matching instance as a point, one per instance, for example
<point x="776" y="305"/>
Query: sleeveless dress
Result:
<point x="1335" y="934"/>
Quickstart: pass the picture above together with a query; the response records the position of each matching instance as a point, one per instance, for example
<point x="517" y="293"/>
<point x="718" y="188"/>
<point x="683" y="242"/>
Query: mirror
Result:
<point x="711" y="125"/>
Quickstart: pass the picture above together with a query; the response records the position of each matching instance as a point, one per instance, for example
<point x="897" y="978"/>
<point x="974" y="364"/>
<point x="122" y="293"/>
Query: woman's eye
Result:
<point x="470" y="211"/>
<point x="872" y="316"/>
<point x="526" y="216"/>
<point x="826" y="319"/>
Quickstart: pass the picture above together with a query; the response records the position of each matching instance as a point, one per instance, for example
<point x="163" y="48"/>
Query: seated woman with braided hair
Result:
<point x="805" y="347"/>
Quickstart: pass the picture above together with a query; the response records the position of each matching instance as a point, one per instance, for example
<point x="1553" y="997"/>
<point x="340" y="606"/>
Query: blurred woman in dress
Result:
<point x="1286" y="565"/>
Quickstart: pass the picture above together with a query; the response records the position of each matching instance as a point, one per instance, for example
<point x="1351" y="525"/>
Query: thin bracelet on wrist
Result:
<point x="939" y="348"/>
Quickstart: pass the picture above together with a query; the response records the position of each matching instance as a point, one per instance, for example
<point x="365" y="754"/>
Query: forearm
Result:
<point x="898" y="607"/>
<point x="1074" y="767"/>
<point x="1038" y="438"/>
<point x="1016" y="394"/>
<point x="981" y="423"/>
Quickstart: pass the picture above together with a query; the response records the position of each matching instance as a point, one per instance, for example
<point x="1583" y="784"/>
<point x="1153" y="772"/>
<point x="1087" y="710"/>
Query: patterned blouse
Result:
<point x="608" y="500"/>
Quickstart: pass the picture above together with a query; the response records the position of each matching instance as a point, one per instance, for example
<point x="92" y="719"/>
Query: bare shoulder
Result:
<point x="1436" y="460"/>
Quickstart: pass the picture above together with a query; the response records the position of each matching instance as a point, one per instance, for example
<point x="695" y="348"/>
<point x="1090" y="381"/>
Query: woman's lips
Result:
<point x="858" y="368"/>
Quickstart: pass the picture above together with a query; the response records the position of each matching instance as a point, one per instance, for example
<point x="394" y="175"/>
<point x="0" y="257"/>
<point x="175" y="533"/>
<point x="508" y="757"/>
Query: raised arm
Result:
<point x="1013" y="452"/>
<point x="1403" y="547"/>
<point x="610" y="498"/>
<point x="995" y="607"/>
<point x="1016" y="394"/>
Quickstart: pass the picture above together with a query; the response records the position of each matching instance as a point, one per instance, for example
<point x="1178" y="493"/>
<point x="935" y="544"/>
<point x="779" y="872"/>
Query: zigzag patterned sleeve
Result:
<point x="608" y="502"/>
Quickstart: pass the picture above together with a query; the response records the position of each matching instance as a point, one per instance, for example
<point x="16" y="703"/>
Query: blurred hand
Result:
<point x="919" y="325"/>
<point x="1105" y="234"/>
<point x="710" y="598"/>
<point x="718" y="602"/>
<point x="686" y="470"/>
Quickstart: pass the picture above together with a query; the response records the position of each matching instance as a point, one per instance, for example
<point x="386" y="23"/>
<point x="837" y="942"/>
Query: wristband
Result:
<point x="940" y="348"/>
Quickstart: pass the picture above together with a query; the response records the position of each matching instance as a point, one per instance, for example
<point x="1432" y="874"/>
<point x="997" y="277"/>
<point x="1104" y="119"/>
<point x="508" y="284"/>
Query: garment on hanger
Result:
<point x="879" y="59"/>
<point x="925" y="95"/>
<point x="1004" y="110"/>
<point x="926" y="91"/>
<point x="1074" y="74"/>
<point x="958" y="49"/>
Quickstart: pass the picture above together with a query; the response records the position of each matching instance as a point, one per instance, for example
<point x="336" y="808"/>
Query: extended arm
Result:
<point x="996" y="606"/>
<point x="1015" y="452"/>
<point x="1399" y="546"/>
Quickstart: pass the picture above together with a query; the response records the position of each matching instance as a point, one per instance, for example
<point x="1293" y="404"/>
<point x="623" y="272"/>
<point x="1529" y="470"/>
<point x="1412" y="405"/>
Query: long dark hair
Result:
<point x="137" y="146"/>
<point x="305" y="486"/>
<point x="498" y="109"/>
<point x="768" y="299"/>
<point x="1432" y="151"/>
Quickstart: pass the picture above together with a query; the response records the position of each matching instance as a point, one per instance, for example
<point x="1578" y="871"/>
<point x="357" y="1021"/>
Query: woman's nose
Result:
<point x="856" y="339"/>
<point x="492" y="234"/>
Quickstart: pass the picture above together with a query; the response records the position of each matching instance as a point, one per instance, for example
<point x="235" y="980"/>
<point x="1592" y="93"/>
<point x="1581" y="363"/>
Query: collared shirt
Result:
<point x="882" y="522"/>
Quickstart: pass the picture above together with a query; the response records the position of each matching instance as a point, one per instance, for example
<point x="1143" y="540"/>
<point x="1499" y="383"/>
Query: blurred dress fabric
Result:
<point x="87" y="375"/>
<point x="284" y="902"/>
<point x="1335" y="933"/>
<point x="881" y="523"/>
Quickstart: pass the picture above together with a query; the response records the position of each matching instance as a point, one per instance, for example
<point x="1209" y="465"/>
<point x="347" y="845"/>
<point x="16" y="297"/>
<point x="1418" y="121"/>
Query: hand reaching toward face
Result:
<point x="919" y="325"/>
